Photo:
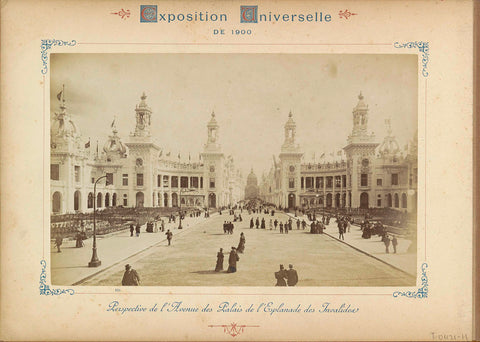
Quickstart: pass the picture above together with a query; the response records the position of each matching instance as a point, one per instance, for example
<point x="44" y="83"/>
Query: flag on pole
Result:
<point x="161" y="153"/>
<point x="322" y="156"/>
<point x="179" y="156"/>
<point x="113" y="122"/>
<point x="87" y="145"/>
<point x="168" y="154"/>
<point x="59" y="95"/>
<point x="189" y="157"/>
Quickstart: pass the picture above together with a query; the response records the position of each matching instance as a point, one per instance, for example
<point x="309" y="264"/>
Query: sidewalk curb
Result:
<point x="364" y="252"/>
<point x="370" y="255"/>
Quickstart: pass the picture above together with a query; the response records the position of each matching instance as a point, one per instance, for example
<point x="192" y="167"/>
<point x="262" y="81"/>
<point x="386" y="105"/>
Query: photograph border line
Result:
<point x="422" y="46"/>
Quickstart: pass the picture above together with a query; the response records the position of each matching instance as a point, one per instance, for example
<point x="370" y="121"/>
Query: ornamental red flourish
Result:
<point x="123" y="14"/>
<point x="346" y="14"/>
<point x="233" y="329"/>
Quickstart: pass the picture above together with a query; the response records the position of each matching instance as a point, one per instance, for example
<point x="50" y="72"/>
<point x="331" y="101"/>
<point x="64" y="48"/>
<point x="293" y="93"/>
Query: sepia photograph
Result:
<point x="219" y="169"/>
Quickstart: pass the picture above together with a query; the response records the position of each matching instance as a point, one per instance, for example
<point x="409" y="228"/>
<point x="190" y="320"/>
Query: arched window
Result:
<point x="139" y="197"/>
<point x="364" y="200"/>
<point x="396" y="200"/>
<point x="107" y="199"/>
<point x="76" y="200"/>
<point x="404" y="200"/>
<point x="56" y="202"/>
<point x="389" y="200"/>
<point x="99" y="200"/>
<point x="90" y="200"/>
<point x="114" y="200"/>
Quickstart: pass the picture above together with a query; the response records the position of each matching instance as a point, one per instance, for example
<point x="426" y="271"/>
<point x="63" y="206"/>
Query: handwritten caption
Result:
<point x="270" y="308"/>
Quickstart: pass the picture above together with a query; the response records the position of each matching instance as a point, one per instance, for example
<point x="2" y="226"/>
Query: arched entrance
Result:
<point x="337" y="200"/>
<point x="183" y="201"/>
<point x="76" y="200"/>
<point x="329" y="200"/>
<point x="165" y="200"/>
<point x="291" y="201"/>
<point x="107" y="200"/>
<point x="344" y="200"/>
<point x="56" y="202"/>
<point x="114" y="200"/>
<point x="404" y="200"/>
<point x="364" y="200"/>
<point x="396" y="200"/>
<point x="90" y="200"/>
<point x="139" y="198"/>
<point x="212" y="200"/>
<point x="389" y="200"/>
<point x="174" y="200"/>
<point x="99" y="200"/>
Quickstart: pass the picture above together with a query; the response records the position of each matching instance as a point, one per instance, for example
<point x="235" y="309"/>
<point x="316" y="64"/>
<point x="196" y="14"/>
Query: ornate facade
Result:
<point x="251" y="189"/>
<point x="372" y="175"/>
<point x="138" y="171"/>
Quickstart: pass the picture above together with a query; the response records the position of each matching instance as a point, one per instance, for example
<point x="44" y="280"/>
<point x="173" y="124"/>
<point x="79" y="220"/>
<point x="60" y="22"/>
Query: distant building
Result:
<point x="251" y="189"/>
<point x="140" y="172"/>
<point x="367" y="174"/>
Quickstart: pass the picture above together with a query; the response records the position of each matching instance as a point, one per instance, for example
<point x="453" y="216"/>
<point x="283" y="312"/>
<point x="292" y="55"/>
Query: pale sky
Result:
<point x="251" y="95"/>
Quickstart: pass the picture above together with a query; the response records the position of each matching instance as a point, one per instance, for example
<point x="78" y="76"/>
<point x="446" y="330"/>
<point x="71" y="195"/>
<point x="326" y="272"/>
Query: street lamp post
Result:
<point x="95" y="262"/>
<point x="180" y="206"/>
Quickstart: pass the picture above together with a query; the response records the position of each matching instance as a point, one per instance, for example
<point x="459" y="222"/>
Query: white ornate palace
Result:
<point x="139" y="173"/>
<point x="372" y="176"/>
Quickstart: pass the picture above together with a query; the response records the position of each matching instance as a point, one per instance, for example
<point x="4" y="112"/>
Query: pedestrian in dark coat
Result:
<point x="386" y="241"/>
<point x="130" y="277"/>
<point x="241" y="244"/>
<point x="275" y="223"/>
<point x="219" y="265"/>
<point x="251" y="223"/>
<point x="132" y="228"/>
<point x="292" y="276"/>
<point x="58" y="243"/>
<point x="137" y="229"/>
<point x="169" y="235"/>
<point x="286" y="227"/>
<point x="263" y="223"/>
<point x="340" y="230"/>
<point x="232" y="261"/>
<point x="257" y="223"/>
<point x="394" y="244"/>
<point x="281" y="228"/>
<point x="281" y="275"/>
<point x="298" y="224"/>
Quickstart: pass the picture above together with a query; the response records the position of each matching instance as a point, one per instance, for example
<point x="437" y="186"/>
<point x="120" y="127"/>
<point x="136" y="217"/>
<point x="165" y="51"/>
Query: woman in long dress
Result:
<point x="219" y="266"/>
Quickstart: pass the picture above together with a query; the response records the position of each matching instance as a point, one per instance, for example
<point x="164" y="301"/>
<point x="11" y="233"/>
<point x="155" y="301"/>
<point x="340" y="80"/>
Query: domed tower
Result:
<point x="290" y="163"/>
<point x="214" y="161"/>
<point x="114" y="148"/>
<point x="142" y="156"/>
<point x="251" y="189"/>
<point x="67" y="162"/>
<point x="360" y="152"/>
<point x="389" y="148"/>
<point x="143" y="118"/>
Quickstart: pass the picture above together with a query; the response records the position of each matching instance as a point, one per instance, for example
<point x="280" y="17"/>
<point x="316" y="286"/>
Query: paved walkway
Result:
<point x="407" y="262"/>
<point x="71" y="265"/>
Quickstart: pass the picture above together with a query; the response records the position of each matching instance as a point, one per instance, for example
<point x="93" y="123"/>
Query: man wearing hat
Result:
<point x="292" y="276"/>
<point x="232" y="261"/>
<point x="280" y="275"/>
<point x="130" y="277"/>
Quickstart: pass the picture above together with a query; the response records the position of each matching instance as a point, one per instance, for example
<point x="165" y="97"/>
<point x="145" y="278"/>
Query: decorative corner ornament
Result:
<point x="421" y="292"/>
<point x="45" y="289"/>
<point x="122" y="14"/>
<point x="422" y="47"/>
<point x="47" y="45"/>
<point x="345" y="14"/>
<point x="233" y="329"/>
